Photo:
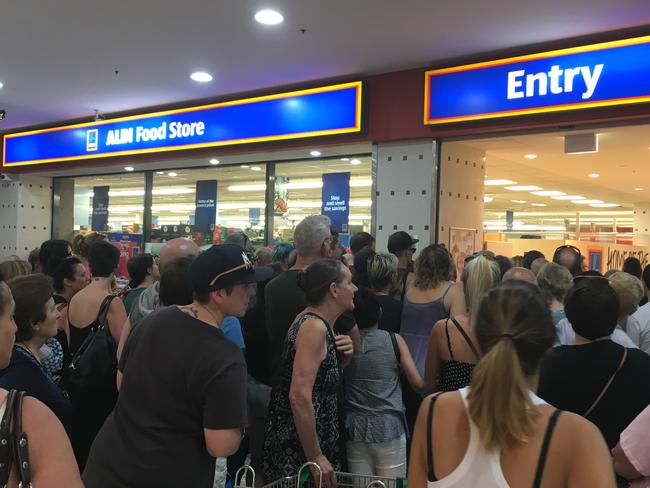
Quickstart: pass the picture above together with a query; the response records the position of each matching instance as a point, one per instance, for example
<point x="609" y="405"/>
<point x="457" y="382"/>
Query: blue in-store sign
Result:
<point x="328" y="110"/>
<point x="336" y="199"/>
<point x="99" y="220"/>
<point x="598" y="75"/>
<point x="206" y="205"/>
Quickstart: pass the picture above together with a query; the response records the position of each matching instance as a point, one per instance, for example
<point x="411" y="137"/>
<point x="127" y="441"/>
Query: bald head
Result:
<point x="520" y="274"/>
<point x="180" y="247"/>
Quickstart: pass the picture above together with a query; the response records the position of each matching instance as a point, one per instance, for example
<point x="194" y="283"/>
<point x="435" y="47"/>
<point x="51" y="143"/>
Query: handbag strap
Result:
<point x="398" y="355"/>
<point x="607" y="385"/>
<point x="6" y="454"/>
<point x="21" y="444"/>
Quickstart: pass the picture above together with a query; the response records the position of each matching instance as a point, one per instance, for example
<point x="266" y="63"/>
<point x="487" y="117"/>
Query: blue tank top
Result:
<point x="417" y="321"/>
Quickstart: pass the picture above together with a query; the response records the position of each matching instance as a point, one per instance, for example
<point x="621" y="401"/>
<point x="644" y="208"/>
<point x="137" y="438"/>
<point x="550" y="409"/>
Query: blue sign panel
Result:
<point x="206" y="205"/>
<point x="321" y="111"/>
<point x="100" y="208"/>
<point x="336" y="200"/>
<point x="599" y="75"/>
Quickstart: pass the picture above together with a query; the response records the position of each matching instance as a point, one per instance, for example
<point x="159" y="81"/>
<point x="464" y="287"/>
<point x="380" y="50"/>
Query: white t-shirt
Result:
<point x="638" y="328"/>
<point x="566" y="336"/>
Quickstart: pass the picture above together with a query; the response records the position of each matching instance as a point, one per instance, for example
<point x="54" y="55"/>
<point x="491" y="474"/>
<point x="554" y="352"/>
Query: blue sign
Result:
<point x="599" y="75"/>
<point x="100" y="208"/>
<point x="254" y="215"/>
<point x="336" y="200"/>
<point x="321" y="111"/>
<point x="206" y="205"/>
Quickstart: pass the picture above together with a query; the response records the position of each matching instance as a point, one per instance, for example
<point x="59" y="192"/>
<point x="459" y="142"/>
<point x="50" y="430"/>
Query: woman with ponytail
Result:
<point x="304" y="422"/>
<point x="498" y="433"/>
<point x="452" y="352"/>
<point x="143" y="272"/>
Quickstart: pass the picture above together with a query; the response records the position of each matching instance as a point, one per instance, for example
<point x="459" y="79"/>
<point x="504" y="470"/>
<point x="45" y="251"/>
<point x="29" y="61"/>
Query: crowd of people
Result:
<point x="515" y="371"/>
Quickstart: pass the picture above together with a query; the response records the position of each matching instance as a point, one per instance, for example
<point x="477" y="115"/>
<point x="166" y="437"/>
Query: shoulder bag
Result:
<point x="607" y="385"/>
<point x="14" y="445"/>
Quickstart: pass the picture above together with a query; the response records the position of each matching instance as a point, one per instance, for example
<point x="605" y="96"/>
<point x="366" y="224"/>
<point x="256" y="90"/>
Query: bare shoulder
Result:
<point x="438" y="327"/>
<point x="36" y="416"/>
<point x="314" y="327"/>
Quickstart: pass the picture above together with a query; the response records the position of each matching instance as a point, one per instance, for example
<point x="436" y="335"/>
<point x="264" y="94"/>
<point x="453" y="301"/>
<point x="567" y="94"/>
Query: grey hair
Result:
<point x="382" y="270"/>
<point x="310" y="234"/>
<point x="629" y="291"/>
<point x="555" y="281"/>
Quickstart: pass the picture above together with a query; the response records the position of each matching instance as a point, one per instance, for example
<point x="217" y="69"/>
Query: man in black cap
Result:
<point x="182" y="385"/>
<point x="402" y="245"/>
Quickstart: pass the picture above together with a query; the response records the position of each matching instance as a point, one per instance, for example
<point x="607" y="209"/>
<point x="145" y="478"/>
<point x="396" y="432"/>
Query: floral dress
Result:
<point x="283" y="453"/>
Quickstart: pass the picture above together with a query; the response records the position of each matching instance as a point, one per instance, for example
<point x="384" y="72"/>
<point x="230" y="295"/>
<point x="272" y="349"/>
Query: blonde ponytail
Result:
<point x="479" y="275"/>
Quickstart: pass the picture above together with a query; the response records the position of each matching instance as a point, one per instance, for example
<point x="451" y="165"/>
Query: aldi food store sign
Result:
<point x="315" y="112"/>
<point x="598" y="75"/>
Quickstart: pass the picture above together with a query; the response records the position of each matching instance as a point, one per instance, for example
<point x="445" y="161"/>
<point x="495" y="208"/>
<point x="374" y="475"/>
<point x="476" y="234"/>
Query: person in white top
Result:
<point x="642" y="315"/>
<point x="497" y="433"/>
<point x="629" y="291"/>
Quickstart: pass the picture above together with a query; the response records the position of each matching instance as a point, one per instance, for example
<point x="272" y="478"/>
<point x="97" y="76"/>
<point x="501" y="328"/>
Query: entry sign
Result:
<point x="328" y="110"/>
<point x="206" y="205"/>
<point x="336" y="200"/>
<point x="99" y="220"/>
<point x="598" y="75"/>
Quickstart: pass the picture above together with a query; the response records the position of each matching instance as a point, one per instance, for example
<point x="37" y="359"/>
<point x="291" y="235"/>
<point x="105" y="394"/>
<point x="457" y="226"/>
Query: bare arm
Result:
<point x="408" y="365"/>
<point x="356" y="338"/>
<point x="456" y="299"/>
<point x="591" y="464"/>
<point x="432" y="364"/>
<point x="50" y="452"/>
<point x="116" y="319"/>
<point x="417" y="475"/>
<point x="223" y="442"/>
<point x="622" y="464"/>
<point x="126" y="330"/>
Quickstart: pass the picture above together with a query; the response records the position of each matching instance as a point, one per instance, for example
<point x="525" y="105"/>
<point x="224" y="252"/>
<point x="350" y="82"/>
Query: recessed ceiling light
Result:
<point x="256" y="168"/>
<point x="245" y="166"/>
<point x="604" y="205"/>
<point x="518" y="201"/>
<point x="499" y="182"/>
<point x="569" y="197"/>
<point x="172" y="174"/>
<point x="355" y="162"/>
<point x="548" y="193"/>
<point x="586" y="202"/>
<point x="487" y="199"/>
<point x="269" y="17"/>
<point x="345" y="159"/>
<point x="593" y="175"/>
<point x="201" y="76"/>
<point x="160" y="172"/>
<point x="129" y="168"/>
<point x="638" y="189"/>
<point x="214" y="161"/>
<point x="538" y="204"/>
<point x="1" y="85"/>
<point x="523" y="188"/>
<point x="530" y="156"/>
<point x="314" y="153"/>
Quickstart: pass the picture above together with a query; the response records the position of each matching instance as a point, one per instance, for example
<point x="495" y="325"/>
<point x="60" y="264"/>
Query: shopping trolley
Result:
<point x="343" y="480"/>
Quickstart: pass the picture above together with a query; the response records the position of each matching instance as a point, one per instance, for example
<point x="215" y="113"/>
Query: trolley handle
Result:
<point x="242" y="473"/>
<point x="377" y="484"/>
<point x="306" y="465"/>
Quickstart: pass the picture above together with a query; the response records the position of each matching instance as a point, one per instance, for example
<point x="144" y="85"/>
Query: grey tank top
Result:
<point x="374" y="407"/>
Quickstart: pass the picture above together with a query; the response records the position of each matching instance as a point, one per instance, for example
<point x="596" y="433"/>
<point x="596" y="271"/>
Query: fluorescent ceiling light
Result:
<point x="172" y="174"/>
<point x="538" y="204"/>
<point x="523" y="188"/>
<point x="569" y="197"/>
<point x="518" y="201"/>
<point x="1" y="85"/>
<point x="593" y="175"/>
<point x="245" y="166"/>
<point x="314" y="153"/>
<point x="160" y="172"/>
<point x="530" y="156"/>
<point x="548" y="193"/>
<point x="201" y="76"/>
<point x="604" y="205"/>
<point x="499" y="182"/>
<point x="256" y="168"/>
<point x="269" y="17"/>
<point x="298" y="185"/>
<point x="487" y="199"/>
<point x="586" y="202"/>
<point x="214" y="161"/>
<point x="345" y="159"/>
<point x="129" y="168"/>
<point x="355" y="162"/>
<point x="638" y="189"/>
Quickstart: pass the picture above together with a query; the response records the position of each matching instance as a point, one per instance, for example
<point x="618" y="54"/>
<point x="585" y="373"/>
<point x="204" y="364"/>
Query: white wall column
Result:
<point x="642" y="224"/>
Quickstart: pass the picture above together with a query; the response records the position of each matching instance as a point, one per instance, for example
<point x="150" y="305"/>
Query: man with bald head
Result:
<point x="520" y="274"/>
<point x="150" y="298"/>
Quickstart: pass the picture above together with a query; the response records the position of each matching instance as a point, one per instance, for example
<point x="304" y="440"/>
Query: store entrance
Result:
<point x="588" y="188"/>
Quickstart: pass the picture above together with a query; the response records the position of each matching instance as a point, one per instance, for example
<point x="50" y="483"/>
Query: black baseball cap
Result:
<point x="400" y="241"/>
<point x="225" y="265"/>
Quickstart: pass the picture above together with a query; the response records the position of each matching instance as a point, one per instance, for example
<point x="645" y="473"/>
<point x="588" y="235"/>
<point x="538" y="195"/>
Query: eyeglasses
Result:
<point x="568" y="246"/>
<point x="247" y="265"/>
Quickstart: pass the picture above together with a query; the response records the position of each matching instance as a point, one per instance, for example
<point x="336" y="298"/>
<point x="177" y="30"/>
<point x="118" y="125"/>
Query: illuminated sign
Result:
<point x="314" y="112"/>
<point x="599" y="75"/>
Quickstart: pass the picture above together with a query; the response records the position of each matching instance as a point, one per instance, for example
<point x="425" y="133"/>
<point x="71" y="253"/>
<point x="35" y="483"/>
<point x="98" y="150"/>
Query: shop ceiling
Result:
<point x="63" y="60"/>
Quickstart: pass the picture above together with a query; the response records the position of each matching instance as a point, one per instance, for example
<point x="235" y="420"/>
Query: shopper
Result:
<point x="285" y="299"/>
<point x="304" y="421"/>
<point x="632" y="453"/>
<point x="50" y="454"/>
<point x="629" y="291"/>
<point x="518" y="273"/>
<point x="13" y="267"/>
<point x="596" y="378"/>
<point x="143" y="272"/>
<point x="530" y="257"/>
<point x="402" y="245"/>
<point x="281" y="253"/>
<point x="360" y="274"/>
<point x="453" y="351"/>
<point x="569" y="257"/>
<point x="375" y="414"/>
<point x="172" y="420"/>
<point x="361" y="241"/>
<point x="555" y="281"/>
<point x="632" y="266"/>
<point x="36" y="318"/>
<point x="642" y="315"/>
<point x="497" y="432"/>
<point x="505" y="263"/>
<point x="537" y="265"/>
<point x="52" y="252"/>
<point x="93" y="401"/>
<point x="382" y="274"/>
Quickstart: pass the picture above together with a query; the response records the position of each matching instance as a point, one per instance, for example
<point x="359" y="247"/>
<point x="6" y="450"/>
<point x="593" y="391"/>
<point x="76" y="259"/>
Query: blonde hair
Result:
<point x="514" y="330"/>
<point x="13" y="268"/>
<point x="382" y="271"/>
<point x="629" y="291"/>
<point x="479" y="275"/>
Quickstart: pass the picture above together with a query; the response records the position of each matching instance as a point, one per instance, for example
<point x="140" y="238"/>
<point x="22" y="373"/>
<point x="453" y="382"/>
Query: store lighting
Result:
<point x="214" y="161"/>
<point x="487" y="199"/>
<point x="172" y="174"/>
<point x="518" y="201"/>
<point x="129" y="168"/>
<point x="499" y="182"/>
<point x="345" y="159"/>
<point x="569" y="197"/>
<point x="269" y="17"/>
<point x="548" y="193"/>
<point x="593" y="175"/>
<point x="298" y="185"/>
<point x="538" y="204"/>
<point x="201" y="76"/>
<point x="586" y="202"/>
<point x="638" y="189"/>
<point x="604" y="205"/>
<point x="1" y="85"/>
<point x="315" y="153"/>
<point x="245" y="166"/>
<point x="523" y="188"/>
<point x="256" y="168"/>
<point x="355" y="162"/>
<point x="530" y="156"/>
<point x="160" y="172"/>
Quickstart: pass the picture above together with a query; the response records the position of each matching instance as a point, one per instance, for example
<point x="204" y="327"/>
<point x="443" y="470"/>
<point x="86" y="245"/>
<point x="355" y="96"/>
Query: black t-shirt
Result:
<point x="572" y="377"/>
<point x="391" y="313"/>
<point x="284" y="301"/>
<point x="181" y="375"/>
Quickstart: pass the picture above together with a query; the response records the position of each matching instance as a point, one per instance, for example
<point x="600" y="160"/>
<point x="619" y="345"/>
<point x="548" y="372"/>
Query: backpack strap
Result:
<point x="451" y="351"/>
<point x="545" y="445"/>
<point x="398" y="355"/>
<point x="466" y="337"/>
